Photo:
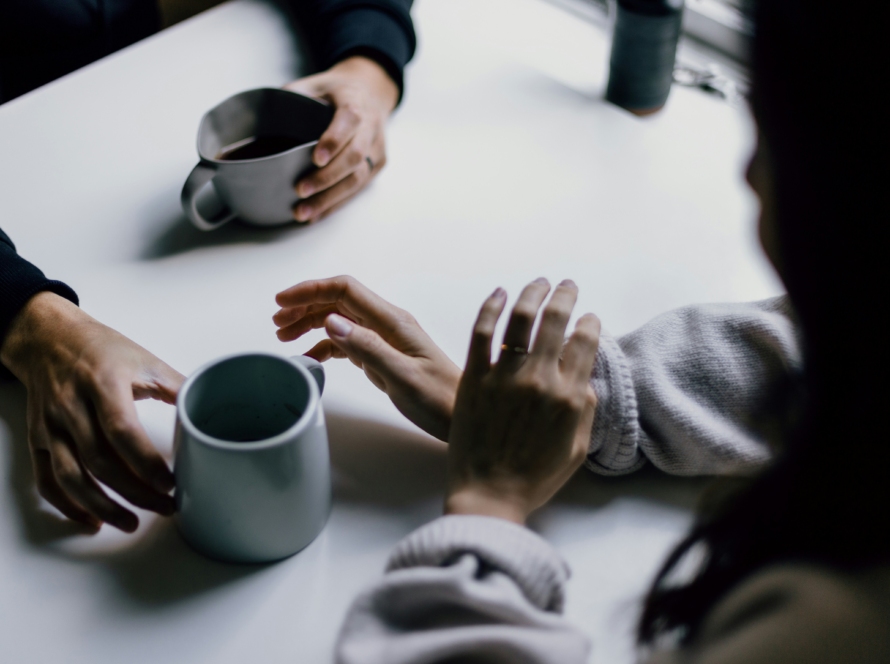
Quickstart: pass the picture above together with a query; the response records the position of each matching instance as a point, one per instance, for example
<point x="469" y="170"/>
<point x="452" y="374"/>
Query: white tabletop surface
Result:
<point x="504" y="164"/>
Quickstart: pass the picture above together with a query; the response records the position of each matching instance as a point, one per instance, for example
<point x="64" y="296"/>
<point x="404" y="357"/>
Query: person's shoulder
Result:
<point x="804" y="613"/>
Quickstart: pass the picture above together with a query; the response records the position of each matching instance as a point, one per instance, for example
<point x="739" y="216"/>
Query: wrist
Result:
<point x="43" y="314"/>
<point x="375" y="78"/>
<point x="486" y="501"/>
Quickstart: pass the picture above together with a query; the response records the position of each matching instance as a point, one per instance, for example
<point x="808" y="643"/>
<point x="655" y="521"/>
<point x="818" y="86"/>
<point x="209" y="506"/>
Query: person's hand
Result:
<point x="82" y="378"/>
<point x="521" y="427"/>
<point x="353" y="149"/>
<point x="383" y="340"/>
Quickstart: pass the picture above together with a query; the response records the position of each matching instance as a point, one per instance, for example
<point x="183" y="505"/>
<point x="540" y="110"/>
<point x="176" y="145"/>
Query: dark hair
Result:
<point x="819" y="69"/>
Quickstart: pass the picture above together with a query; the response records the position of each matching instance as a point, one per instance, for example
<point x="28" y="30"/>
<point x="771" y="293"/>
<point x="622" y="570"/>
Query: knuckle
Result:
<point x="354" y="157"/>
<point x="556" y="315"/>
<point x="404" y="319"/>
<point x="590" y="398"/>
<point x="351" y="112"/>
<point x="578" y="454"/>
<point x="95" y="462"/>
<point x="66" y="472"/>
<point x="482" y="334"/>
<point x="524" y="314"/>
<point x="533" y="385"/>
<point x="118" y="428"/>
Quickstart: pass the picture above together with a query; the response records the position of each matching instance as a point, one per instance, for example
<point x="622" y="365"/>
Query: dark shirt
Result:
<point x="41" y="40"/>
<point x="19" y="282"/>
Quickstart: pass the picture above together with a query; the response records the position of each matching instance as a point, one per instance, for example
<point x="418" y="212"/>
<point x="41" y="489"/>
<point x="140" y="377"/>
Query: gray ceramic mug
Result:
<point x="251" y="457"/>
<point x="257" y="190"/>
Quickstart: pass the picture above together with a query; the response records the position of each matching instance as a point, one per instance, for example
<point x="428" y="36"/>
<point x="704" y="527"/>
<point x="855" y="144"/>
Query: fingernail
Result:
<point x="304" y="212"/>
<point x="165" y="482"/>
<point x="128" y="523"/>
<point x="338" y="326"/>
<point x="542" y="281"/>
<point x="168" y="507"/>
<point x="499" y="292"/>
<point x="321" y="157"/>
<point x="569" y="283"/>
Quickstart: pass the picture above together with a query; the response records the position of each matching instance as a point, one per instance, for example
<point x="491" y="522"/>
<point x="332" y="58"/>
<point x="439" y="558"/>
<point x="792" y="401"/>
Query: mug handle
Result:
<point x="315" y="368"/>
<point x="199" y="178"/>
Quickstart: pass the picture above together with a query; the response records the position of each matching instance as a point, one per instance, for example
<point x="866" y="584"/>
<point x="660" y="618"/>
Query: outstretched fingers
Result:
<point x="363" y="346"/>
<point x="551" y="332"/>
<point x="343" y="294"/>
<point x="479" y="358"/>
<point x="517" y="337"/>
<point x="580" y="351"/>
<point x="312" y="318"/>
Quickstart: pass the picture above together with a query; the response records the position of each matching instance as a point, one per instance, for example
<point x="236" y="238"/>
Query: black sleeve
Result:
<point x="19" y="282"/>
<point x="378" y="29"/>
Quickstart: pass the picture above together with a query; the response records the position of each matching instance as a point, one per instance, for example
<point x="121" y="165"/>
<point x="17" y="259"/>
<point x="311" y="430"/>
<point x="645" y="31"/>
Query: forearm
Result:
<point x="483" y="586"/>
<point x="689" y="391"/>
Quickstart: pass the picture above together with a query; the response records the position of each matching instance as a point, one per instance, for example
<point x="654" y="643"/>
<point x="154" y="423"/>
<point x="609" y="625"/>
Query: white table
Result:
<point x="505" y="164"/>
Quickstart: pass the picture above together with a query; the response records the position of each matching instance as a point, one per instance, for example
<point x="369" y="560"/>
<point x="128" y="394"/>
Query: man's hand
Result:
<point x="82" y="378"/>
<point x="521" y="427"/>
<point x="352" y="150"/>
<point x="383" y="340"/>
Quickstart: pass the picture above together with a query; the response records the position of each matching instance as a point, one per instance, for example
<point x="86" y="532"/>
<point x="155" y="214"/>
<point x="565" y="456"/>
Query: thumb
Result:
<point x="161" y="382"/>
<point x="363" y="346"/>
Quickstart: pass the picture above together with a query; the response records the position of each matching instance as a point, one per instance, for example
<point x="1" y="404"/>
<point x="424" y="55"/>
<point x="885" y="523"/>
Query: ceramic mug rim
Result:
<point x="224" y="162"/>
<point x="286" y="436"/>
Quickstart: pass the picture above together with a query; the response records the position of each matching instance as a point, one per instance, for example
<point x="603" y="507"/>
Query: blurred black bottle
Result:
<point x="644" y="46"/>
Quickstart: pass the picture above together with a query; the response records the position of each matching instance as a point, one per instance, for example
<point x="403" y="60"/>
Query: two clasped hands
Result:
<point x="518" y="427"/>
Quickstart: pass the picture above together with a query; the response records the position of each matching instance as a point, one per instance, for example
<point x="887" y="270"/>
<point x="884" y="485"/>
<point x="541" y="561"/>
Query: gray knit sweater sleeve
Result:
<point x="465" y="588"/>
<point x="689" y="391"/>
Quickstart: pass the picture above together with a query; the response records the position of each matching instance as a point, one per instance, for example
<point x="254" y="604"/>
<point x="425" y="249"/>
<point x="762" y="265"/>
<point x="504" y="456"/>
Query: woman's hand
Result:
<point x="353" y="149"/>
<point x="82" y="378"/>
<point x="521" y="427"/>
<point x="383" y="340"/>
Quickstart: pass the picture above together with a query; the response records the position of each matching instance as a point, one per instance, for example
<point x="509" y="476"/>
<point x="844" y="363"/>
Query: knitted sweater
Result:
<point x="686" y="392"/>
<point x="481" y="589"/>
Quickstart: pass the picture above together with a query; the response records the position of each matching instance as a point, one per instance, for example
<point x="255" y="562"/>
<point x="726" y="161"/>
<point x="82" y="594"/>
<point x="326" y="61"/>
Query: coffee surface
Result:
<point x="257" y="147"/>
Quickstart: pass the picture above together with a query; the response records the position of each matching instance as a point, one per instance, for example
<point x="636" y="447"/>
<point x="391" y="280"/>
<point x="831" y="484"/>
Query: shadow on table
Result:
<point x="387" y="465"/>
<point x="160" y="568"/>
<point x="648" y="483"/>
<point x="374" y="463"/>
<point x="179" y="236"/>
<point x="38" y="526"/>
<point x="381" y="464"/>
<point x="157" y="568"/>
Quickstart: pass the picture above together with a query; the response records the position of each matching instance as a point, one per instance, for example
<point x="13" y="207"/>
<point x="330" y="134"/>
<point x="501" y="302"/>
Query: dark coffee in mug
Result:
<point x="256" y="147"/>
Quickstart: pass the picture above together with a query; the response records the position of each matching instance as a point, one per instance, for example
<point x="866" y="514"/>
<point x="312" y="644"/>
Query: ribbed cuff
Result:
<point x="531" y="562"/>
<point x="19" y="282"/>
<point x="614" y="441"/>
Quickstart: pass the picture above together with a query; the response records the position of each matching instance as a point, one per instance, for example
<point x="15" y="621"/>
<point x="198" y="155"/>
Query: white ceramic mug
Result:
<point x="252" y="464"/>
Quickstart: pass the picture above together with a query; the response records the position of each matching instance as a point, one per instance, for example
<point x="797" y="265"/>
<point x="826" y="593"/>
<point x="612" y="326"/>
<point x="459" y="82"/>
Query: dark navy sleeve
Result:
<point x="378" y="29"/>
<point x="19" y="282"/>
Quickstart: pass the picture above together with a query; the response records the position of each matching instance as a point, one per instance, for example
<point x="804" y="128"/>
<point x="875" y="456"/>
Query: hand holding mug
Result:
<point x="352" y="149"/>
<point x="82" y="378"/>
<point x="379" y="338"/>
<point x="521" y="426"/>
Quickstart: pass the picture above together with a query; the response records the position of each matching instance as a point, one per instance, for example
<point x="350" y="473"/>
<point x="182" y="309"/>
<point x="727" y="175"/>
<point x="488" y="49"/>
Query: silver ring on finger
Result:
<point x="370" y="163"/>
